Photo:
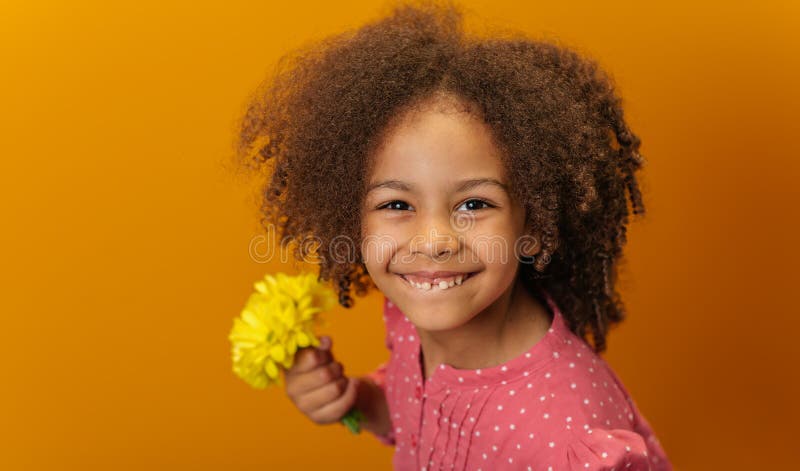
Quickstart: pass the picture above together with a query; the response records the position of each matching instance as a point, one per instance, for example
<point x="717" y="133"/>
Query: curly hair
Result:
<point x="311" y="126"/>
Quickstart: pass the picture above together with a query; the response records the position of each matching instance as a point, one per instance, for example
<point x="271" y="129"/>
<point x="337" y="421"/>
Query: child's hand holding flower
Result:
<point x="316" y="384"/>
<point x="275" y="325"/>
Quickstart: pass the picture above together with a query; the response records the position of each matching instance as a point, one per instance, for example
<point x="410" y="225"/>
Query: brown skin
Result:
<point x="317" y="386"/>
<point x="417" y="202"/>
<point x="570" y="157"/>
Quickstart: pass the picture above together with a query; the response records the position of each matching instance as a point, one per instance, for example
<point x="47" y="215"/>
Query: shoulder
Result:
<point x="596" y="422"/>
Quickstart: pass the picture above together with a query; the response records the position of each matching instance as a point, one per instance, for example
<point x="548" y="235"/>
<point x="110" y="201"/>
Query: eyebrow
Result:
<point x="464" y="185"/>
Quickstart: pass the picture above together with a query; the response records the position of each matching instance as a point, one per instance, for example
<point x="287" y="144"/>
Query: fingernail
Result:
<point x="325" y="343"/>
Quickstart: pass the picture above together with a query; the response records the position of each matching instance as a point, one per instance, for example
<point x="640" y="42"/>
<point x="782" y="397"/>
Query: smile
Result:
<point x="438" y="284"/>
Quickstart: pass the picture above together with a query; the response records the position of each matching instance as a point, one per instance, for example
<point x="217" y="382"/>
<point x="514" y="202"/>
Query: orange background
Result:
<point x="125" y="241"/>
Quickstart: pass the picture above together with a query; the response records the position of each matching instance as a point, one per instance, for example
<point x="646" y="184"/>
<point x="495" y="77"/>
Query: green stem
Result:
<point x="352" y="420"/>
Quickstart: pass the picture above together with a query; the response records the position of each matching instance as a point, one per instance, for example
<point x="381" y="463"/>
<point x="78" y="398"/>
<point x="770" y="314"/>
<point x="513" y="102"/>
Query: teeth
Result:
<point x="442" y="285"/>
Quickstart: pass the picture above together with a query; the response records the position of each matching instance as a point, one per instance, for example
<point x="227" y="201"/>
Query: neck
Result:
<point x="506" y="329"/>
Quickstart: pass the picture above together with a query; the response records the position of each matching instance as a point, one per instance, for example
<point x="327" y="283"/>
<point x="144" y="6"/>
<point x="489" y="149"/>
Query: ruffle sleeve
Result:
<point x="608" y="450"/>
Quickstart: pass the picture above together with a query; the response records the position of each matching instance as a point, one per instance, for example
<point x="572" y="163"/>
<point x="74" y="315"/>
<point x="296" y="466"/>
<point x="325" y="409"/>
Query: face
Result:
<point x="437" y="201"/>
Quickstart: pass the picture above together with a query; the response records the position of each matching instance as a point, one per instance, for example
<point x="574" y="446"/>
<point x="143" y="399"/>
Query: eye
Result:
<point x="394" y="205"/>
<point x="475" y="204"/>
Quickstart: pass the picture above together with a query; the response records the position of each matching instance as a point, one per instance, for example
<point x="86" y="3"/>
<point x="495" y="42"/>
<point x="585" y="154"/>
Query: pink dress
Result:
<point x="559" y="406"/>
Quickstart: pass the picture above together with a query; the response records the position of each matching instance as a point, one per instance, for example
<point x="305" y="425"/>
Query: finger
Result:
<point x="302" y="383"/>
<point x="334" y="411"/>
<point x="309" y="358"/>
<point x="324" y="394"/>
<point x="325" y="342"/>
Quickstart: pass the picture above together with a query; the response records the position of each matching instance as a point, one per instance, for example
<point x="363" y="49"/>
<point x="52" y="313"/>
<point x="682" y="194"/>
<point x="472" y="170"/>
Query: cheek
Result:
<point x="493" y="246"/>
<point x="379" y="243"/>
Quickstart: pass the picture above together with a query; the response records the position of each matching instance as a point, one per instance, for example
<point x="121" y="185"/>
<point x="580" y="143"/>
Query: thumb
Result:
<point x="325" y="343"/>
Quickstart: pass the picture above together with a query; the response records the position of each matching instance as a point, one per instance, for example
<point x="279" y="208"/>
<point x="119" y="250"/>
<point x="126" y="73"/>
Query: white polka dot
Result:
<point x="512" y="426"/>
<point x="569" y="419"/>
<point x="573" y="385"/>
<point x="496" y="428"/>
<point x="460" y="379"/>
<point x="586" y="401"/>
<point x="522" y="411"/>
<point x="547" y="375"/>
<point x="500" y="407"/>
<point x="542" y="398"/>
<point x="530" y="435"/>
<point x="604" y="454"/>
<point x="572" y="365"/>
<point x="504" y="368"/>
<point x="552" y="444"/>
<point x="511" y="392"/>
<point x="555" y="354"/>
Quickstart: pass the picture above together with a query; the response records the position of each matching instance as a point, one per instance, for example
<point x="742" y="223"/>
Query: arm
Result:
<point x="371" y="401"/>
<point x="371" y="397"/>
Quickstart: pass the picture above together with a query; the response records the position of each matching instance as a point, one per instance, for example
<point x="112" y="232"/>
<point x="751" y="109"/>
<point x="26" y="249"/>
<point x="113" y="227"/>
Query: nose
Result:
<point x="435" y="237"/>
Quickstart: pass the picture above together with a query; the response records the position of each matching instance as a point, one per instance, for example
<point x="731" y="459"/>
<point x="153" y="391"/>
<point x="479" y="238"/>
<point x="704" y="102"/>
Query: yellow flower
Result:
<point x="278" y="318"/>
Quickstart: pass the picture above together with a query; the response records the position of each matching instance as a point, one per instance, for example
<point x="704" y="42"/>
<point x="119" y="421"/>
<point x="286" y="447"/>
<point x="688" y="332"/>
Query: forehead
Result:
<point x="437" y="143"/>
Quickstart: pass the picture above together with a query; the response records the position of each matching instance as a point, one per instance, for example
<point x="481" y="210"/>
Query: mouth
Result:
<point x="438" y="284"/>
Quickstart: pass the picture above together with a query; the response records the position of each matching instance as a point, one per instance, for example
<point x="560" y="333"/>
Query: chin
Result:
<point x="431" y="319"/>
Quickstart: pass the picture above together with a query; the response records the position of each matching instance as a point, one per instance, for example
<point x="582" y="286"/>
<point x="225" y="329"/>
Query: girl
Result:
<point x="482" y="185"/>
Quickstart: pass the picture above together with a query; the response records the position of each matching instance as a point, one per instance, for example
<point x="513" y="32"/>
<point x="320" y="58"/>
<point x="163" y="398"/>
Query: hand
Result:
<point x="317" y="386"/>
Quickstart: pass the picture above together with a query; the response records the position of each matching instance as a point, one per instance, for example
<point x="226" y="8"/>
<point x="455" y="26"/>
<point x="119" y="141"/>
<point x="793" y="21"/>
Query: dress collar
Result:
<point x="541" y="353"/>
